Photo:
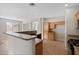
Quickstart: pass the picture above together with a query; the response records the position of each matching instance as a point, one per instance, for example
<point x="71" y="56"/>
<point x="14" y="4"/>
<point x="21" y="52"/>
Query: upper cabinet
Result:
<point x="53" y="24"/>
<point x="60" y="23"/>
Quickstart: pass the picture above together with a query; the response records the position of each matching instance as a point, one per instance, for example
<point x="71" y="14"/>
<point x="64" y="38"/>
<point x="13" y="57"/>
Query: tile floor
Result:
<point x="3" y="45"/>
<point x="54" y="48"/>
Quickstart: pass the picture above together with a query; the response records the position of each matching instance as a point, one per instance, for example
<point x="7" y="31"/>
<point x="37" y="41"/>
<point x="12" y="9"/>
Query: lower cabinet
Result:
<point x="17" y="46"/>
<point x="39" y="48"/>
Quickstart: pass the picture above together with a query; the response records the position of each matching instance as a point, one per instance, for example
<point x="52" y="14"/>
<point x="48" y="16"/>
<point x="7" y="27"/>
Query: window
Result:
<point x="9" y="26"/>
<point x="35" y="25"/>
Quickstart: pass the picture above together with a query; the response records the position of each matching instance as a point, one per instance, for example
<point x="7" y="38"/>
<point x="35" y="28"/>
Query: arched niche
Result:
<point x="76" y="19"/>
<point x="76" y="16"/>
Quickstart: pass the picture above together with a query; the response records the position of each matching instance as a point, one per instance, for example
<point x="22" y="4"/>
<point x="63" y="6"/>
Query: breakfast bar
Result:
<point x="20" y="44"/>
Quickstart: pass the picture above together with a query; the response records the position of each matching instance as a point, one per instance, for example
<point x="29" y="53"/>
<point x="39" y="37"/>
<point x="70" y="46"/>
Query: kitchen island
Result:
<point x="20" y="44"/>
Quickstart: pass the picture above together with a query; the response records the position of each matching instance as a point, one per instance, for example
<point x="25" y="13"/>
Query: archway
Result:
<point x="76" y="20"/>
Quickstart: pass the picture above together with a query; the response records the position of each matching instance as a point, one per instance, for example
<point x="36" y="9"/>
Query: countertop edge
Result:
<point x="7" y="33"/>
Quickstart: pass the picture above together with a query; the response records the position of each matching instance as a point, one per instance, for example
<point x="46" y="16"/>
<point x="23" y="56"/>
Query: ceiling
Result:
<point x="23" y="11"/>
<point x="70" y="5"/>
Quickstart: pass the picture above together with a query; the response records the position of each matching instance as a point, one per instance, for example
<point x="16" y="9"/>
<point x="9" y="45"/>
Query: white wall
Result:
<point x="60" y="32"/>
<point x="71" y="26"/>
<point x="2" y="27"/>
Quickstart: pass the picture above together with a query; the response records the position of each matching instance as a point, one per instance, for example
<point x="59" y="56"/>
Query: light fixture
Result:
<point x="32" y="4"/>
<point x="66" y="5"/>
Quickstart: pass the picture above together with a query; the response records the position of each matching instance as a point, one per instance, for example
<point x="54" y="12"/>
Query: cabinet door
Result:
<point x="60" y="23"/>
<point x="51" y="35"/>
<point x="52" y="25"/>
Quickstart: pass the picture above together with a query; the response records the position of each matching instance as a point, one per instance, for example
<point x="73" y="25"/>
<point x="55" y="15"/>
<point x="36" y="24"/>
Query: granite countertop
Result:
<point x="73" y="35"/>
<point x="21" y="36"/>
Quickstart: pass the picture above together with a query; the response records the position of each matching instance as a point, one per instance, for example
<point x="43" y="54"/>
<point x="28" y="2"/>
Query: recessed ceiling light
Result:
<point x="66" y="5"/>
<point x="32" y="4"/>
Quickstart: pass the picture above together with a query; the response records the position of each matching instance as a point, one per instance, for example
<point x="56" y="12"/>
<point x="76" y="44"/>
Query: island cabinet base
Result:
<point x="17" y="46"/>
<point x="39" y="48"/>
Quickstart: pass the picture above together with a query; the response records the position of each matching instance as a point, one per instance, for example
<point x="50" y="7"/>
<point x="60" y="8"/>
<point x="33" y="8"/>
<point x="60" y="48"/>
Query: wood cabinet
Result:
<point x="51" y="35"/>
<point x="39" y="48"/>
<point x="59" y="23"/>
<point x="51" y="25"/>
<point x="48" y="29"/>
